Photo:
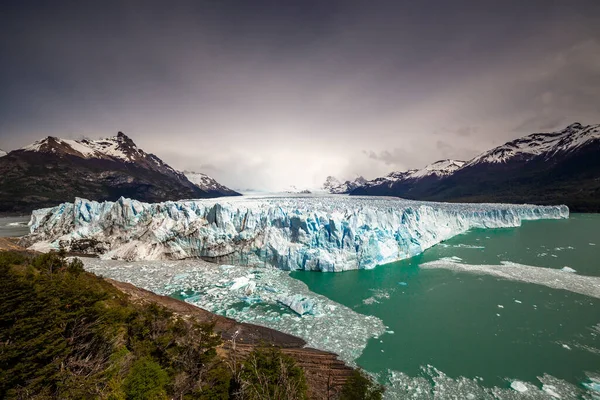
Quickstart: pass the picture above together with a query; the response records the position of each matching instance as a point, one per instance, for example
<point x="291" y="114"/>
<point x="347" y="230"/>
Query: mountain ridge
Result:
<point x="52" y="170"/>
<point x="560" y="167"/>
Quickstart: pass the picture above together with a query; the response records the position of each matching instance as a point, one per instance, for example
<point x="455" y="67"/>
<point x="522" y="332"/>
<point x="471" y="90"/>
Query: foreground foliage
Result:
<point x="360" y="387"/>
<point x="68" y="334"/>
<point x="65" y="333"/>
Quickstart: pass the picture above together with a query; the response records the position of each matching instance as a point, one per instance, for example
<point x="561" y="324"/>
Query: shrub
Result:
<point x="267" y="374"/>
<point x="360" y="387"/>
<point x="66" y="333"/>
<point x="146" y="380"/>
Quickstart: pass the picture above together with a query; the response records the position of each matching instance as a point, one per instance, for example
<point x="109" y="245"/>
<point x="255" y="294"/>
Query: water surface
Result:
<point x="469" y="325"/>
<point x="13" y="226"/>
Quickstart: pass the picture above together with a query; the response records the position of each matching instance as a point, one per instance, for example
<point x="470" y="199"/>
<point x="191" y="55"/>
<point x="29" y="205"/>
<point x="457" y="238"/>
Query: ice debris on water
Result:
<point x="377" y="294"/>
<point x="324" y="233"/>
<point x="433" y="384"/>
<point x="550" y="277"/>
<point x="568" y="269"/>
<point x="263" y="296"/>
<point x="402" y="283"/>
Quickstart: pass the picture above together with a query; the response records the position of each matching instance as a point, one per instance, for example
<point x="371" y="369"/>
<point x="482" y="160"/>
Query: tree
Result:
<point x="360" y="387"/>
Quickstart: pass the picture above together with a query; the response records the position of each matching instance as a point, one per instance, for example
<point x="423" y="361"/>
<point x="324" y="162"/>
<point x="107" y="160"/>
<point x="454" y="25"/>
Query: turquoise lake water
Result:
<point x="469" y="325"/>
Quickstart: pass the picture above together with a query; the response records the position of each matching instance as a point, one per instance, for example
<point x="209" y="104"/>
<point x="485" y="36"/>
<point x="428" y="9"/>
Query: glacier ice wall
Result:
<point x="323" y="233"/>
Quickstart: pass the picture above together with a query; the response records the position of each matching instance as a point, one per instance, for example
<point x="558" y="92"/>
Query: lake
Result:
<point x="14" y="226"/>
<point x="478" y="328"/>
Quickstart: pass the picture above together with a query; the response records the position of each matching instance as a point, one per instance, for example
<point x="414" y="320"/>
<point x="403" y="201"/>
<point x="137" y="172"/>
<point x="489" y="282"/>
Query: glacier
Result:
<point x="321" y="233"/>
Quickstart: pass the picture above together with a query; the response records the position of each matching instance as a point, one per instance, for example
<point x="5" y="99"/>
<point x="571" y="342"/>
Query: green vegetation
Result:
<point x="360" y="387"/>
<point x="267" y="373"/>
<point x="68" y="334"/>
<point x="65" y="333"/>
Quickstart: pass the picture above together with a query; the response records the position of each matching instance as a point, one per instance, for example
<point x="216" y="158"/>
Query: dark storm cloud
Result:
<point x="267" y="94"/>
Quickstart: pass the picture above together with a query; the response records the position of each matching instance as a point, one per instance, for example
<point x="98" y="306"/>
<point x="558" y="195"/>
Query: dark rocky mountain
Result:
<point x="544" y="168"/>
<point x="51" y="171"/>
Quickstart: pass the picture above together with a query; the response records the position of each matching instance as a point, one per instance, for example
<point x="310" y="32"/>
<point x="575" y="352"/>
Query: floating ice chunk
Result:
<point x="370" y="300"/>
<point x="551" y="390"/>
<point x="518" y="386"/>
<point x="518" y="301"/>
<point x="592" y="244"/>
<point x="251" y="299"/>
<point x="468" y="246"/>
<point x="402" y="283"/>
<point x="239" y="283"/>
<point x="298" y="304"/>
<point x="566" y="346"/>
<point x="593" y="385"/>
<point x="500" y="306"/>
<point x="567" y="269"/>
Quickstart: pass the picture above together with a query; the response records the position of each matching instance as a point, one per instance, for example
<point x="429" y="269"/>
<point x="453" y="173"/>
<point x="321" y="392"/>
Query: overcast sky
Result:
<point x="268" y="94"/>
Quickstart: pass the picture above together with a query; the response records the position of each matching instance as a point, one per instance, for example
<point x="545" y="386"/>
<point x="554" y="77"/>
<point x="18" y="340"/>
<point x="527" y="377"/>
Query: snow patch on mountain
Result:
<point x="323" y="233"/>
<point x="2" y="153"/>
<point x="549" y="144"/>
<point x="334" y="186"/>
<point x="438" y="169"/>
<point x="206" y="183"/>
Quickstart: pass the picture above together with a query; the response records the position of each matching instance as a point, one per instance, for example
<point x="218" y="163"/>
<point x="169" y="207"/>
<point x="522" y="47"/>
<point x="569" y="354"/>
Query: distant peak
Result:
<point x="124" y="139"/>
<point x="574" y="125"/>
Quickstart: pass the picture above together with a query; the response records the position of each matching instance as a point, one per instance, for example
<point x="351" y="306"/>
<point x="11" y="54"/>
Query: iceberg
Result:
<point x="298" y="304"/>
<point x="320" y="233"/>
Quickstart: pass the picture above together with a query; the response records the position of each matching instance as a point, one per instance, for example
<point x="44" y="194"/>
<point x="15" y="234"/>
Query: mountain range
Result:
<point x="333" y="185"/>
<point x="560" y="167"/>
<point x="53" y="170"/>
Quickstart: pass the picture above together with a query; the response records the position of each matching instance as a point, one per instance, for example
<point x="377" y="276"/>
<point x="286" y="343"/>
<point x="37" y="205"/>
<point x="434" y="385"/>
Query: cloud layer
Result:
<point x="267" y="94"/>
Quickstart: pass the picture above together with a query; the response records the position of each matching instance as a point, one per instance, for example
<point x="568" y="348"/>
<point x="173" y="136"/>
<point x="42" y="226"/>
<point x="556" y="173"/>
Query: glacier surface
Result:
<point x="322" y="233"/>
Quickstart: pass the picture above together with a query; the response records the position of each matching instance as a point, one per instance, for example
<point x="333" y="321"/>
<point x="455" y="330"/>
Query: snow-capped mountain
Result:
<point x="119" y="148"/>
<point x="543" y="168"/>
<point x="208" y="184"/>
<point x="569" y="139"/>
<point x="2" y="153"/>
<point x="439" y="168"/>
<point x="436" y="170"/>
<point x="334" y="186"/>
<point x="54" y="170"/>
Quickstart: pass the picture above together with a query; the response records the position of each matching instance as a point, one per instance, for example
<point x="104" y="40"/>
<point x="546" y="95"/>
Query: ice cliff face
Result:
<point x="327" y="233"/>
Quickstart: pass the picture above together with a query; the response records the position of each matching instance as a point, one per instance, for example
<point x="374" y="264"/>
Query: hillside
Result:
<point x="543" y="168"/>
<point x="53" y="170"/>
<point x="67" y="333"/>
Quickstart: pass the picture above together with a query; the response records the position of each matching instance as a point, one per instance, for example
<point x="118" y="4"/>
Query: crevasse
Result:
<point x="323" y="233"/>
